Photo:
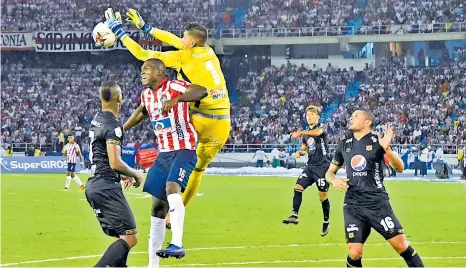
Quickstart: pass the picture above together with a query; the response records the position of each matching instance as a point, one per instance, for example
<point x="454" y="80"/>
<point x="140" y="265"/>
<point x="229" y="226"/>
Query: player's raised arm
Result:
<point x="164" y="36"/>
<point x="138" y="115"/>
<point x="170" y="58"/>
<point x="385" y="141"/>
<point x="191" y="93"/>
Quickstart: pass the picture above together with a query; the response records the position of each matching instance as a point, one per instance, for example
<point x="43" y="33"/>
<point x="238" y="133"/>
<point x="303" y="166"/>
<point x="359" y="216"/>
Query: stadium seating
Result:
<point x="364" y="15"/>
<point x="58" y="97"/>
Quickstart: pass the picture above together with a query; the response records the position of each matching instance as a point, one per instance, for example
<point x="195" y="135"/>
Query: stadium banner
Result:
<point x="76" y="41"/>
<point x="32" y="164"/>
<point x="17" y="41"/>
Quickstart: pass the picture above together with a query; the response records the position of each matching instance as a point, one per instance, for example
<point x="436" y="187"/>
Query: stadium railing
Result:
<point x="252" y="148"/>
<point x="342" y="30"/>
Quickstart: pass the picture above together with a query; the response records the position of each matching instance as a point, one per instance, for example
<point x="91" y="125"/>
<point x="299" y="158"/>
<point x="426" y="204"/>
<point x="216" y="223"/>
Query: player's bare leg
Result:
<point x="157" y="230"/>
<point x="117" y="253"/>
<point x="297" y="200"/>
<point x="323" y="196"/>
<point x="402" y="247"/>
<point x="354" y="255"/>
<point x="177" y="212"/>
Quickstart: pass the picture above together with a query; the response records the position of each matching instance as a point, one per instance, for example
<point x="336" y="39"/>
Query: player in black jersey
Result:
<point x="314" y="143"/>
<point x="103" y="189"/>
<point x="366" y="201"/>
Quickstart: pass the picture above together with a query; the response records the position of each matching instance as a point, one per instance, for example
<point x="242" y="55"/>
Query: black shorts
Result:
<point x="313" y="175"/>
<point x="360" y="220"/>
<point x="112" y="211"/>
<point x="71" y="167"/>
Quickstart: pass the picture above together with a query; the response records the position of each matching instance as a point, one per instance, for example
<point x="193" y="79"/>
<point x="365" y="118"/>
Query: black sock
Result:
<point x="412" y="258"/>
<point x="116" y="255"/>
<point x="326" y="209"/>
<point x="297" y="199"/>
<point x="353" y="263"/>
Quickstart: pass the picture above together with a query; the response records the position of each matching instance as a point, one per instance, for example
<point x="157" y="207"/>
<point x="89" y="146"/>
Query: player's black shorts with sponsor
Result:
<point x="314" y="174"/>
<point x="112" y="211"/>
<point x="359" y="221"/>
<point x="71" y="167"/>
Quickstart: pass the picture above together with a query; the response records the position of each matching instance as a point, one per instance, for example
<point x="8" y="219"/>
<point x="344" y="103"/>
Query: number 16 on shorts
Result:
<point x="182" y="175"/>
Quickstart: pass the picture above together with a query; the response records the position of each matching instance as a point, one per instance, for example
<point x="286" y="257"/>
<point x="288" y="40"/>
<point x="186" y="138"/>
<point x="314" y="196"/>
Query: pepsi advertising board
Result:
<point x="30" y="164"/>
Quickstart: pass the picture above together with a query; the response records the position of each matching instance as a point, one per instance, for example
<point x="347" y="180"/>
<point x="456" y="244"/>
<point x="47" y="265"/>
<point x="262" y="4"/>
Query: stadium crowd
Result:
<point x="424" y="105"/>
<point x="43" y="102"/>
<point x="423" y="15"/>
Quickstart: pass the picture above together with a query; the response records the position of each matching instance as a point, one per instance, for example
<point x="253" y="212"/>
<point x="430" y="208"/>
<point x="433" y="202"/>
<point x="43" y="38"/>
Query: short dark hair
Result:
<point x="197" y="31"/>
<point x="106" y="90"/>
<point x="157" y="63"/>
<point x="369" y="115"/>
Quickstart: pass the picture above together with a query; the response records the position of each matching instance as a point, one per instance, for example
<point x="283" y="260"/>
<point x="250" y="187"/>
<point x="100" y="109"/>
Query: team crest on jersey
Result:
<point x="311" y="143"/>
<point x="368" y="147"/>
<point x="358" y="163"/>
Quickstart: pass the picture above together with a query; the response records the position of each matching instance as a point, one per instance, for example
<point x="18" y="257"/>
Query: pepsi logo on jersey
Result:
<point x="358" y="164"/>
<point x="311" y="143"/>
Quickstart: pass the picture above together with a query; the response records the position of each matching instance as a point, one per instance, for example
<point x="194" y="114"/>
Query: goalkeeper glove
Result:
<point x="134" y="17"/>
<point x="114" y="22"/>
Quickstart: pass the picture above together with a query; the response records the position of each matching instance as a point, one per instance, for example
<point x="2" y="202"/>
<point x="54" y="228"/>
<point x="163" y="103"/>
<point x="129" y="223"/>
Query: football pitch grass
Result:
<point x="233" y="221"/>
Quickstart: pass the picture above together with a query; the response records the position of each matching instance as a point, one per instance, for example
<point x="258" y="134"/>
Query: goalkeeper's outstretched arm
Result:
<point x="171" y="59"/>
<point x="167" y="38"/>
<point x="164" y="36"/>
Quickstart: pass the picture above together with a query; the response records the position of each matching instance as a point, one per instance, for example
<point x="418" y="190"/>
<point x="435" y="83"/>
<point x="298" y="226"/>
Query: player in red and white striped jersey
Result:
<point x="71" y="151"/>
<point x="173" y="130"/>
<point x="166" y="104"/>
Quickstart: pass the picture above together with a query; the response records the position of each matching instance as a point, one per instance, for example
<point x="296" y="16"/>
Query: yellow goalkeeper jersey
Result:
<point x="199" y="65"/>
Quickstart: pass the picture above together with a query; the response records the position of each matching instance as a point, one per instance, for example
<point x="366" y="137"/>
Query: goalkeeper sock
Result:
<point x="193" y="185"/>
<point x="68" y="181"/>
<point x="411" y="257"/>
<point x="77" y="180"/>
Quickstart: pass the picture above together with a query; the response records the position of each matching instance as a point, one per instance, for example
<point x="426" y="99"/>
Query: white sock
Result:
<point x="77" y="180"/>
<point x="156" y="238"/>
<point x="176" y="218"/>
<point x="68" y="180"/>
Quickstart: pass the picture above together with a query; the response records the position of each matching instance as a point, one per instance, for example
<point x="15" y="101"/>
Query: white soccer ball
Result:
<point x="103" y="35"/>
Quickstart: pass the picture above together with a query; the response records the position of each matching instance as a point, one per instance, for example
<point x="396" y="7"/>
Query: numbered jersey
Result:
<point x="200" y="66"/>
<point x="173" y="130"/>
<point x="105" y="129"/>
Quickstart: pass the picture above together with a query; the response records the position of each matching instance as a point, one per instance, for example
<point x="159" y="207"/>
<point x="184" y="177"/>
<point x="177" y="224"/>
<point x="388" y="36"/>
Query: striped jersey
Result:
<point x="72" y="150"/>
<point x="173" y="130"/>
